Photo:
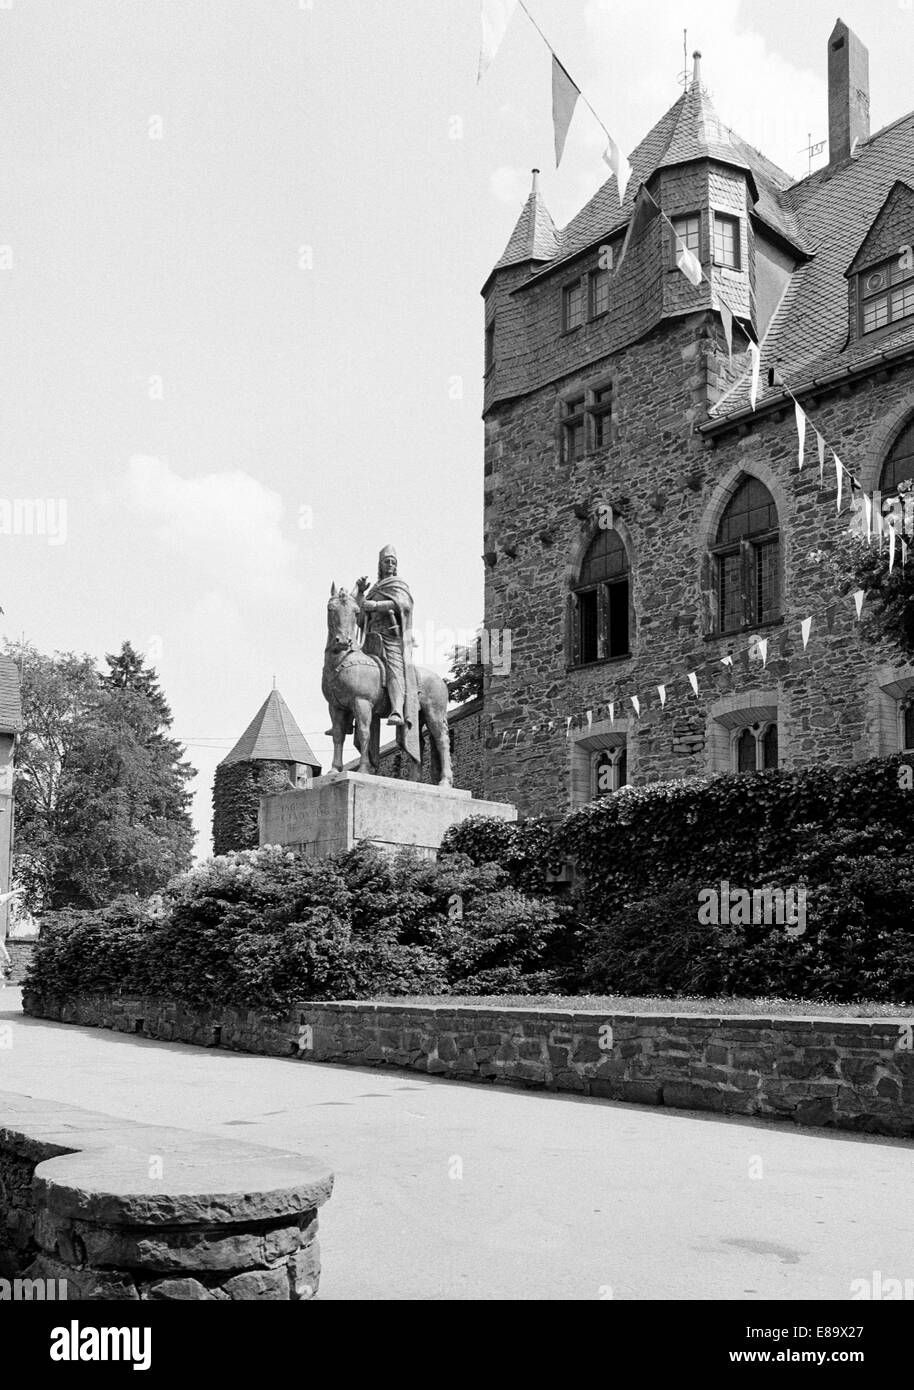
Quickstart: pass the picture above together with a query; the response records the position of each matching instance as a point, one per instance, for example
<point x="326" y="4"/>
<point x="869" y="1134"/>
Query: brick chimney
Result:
<point x="848" y="92"/>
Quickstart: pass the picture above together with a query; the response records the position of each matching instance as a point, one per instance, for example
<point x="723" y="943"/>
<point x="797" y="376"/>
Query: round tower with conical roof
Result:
<point x="272" y="755"/>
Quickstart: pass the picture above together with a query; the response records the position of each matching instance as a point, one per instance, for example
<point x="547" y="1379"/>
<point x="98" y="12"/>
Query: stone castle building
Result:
<point x="642" y="521"/>
<point x="272" y="755"/>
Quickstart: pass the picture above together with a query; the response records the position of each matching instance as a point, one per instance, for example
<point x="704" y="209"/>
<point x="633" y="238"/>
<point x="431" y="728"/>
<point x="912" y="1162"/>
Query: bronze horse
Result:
<point x="353" y="686"/>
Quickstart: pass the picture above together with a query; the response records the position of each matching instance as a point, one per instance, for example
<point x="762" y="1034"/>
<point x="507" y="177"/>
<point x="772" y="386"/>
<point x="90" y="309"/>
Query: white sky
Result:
<point x="288" y="125"/>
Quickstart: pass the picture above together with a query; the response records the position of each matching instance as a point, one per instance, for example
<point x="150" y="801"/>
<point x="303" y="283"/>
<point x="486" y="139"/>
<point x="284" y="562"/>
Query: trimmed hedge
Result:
<point x="268" y="927"/>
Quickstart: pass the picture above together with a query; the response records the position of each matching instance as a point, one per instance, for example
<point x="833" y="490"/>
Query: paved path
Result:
<point x="559" y="1197"/>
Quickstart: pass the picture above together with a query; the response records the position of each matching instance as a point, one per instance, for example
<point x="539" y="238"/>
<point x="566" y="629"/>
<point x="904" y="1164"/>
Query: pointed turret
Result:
<point x="534" y="238"/>
<point x="273" y="736"/>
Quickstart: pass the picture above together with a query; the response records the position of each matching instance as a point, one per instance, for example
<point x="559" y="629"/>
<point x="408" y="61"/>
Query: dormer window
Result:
<point x="886" y="294"/>
<point x="726" y="241"/>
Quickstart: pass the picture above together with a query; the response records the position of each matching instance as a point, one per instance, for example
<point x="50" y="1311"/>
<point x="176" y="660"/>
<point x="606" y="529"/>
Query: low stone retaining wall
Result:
<point x="99" y="1208"/>
<point x="20" y="953"/>
<point x="855" y="1074"/>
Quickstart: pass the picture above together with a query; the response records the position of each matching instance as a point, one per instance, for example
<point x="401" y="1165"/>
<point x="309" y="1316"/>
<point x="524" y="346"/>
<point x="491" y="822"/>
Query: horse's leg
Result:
<point x="363" y="712"/>
<point x="374" y="746"/>
<point x="338" y="729"/>
<point x="437" y="725"/>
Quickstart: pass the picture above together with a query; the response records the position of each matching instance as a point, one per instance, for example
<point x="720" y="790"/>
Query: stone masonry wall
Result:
<point x="465" y="729"/>
<point x="20" y="953"/>
<point x="852" y="1074"/>
<point x="109" y="1209"/>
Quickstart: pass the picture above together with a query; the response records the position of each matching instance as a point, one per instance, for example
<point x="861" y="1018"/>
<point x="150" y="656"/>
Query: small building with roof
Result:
<point x="272" y="755"/>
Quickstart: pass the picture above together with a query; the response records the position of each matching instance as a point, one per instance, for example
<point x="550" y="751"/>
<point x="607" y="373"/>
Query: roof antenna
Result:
<point x="812" y="149"/>
<point x="684" y="75"/>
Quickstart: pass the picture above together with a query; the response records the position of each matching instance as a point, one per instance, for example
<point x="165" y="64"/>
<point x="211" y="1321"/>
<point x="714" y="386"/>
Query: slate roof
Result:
<point x="273" y="736"/>
<point x="835" y="209"/>
<point x="534" y="238"/>
<point x="10" y="697"/>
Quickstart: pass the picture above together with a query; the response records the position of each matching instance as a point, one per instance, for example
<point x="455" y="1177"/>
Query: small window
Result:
<point x="899" y="466"/>
<point x="688" y="229"/>
<point x="755" y="747"/>
<point x="601" y="410"/>
<point x="726" y="241"/>
<point x="600" y="602"/>
<point x="573" y="306"/>
<point x="490" y="346"/>
<point x="886" y="295"/>
<point x="599" y="293"/>
<point x="610" y="771"/>
<point x="573" y="420"/>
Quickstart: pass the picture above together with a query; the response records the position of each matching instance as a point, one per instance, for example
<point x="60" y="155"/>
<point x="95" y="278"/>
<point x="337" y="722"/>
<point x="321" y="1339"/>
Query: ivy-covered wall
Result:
<point x="236" y="799"/>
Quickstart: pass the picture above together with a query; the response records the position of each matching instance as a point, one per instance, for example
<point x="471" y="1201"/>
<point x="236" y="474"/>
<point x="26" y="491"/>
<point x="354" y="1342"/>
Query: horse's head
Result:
<point x="342" y="620"/>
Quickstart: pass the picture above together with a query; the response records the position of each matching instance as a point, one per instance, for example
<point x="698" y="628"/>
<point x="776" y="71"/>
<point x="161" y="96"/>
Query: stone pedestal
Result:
<point x="339" y="810"/>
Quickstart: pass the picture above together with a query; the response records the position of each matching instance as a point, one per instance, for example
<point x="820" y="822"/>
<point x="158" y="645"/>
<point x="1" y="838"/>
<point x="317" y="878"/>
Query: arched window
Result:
<point x="599" y="603"/>
<point x="755" y="747"/>
<point x="899" y="466"/>
<point x="609" y="770"/>
<point x="747" y="557"/>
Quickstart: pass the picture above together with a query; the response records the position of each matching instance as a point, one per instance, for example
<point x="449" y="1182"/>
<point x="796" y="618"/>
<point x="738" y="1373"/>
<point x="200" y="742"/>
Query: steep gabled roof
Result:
<point x="836" y="208"/>
<point x="10" y="697"/>
<point x="273" y="736"/>
<point x="534" y="238"/>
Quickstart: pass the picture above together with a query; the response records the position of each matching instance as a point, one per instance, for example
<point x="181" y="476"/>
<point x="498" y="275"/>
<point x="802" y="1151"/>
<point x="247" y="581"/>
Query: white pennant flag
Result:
<point x="806" y="629"/>
<point x="801" y="430"/>
<point x="589" y="717"/>
<point x="821" y="445"/>
<point x="891" y="544"/>
<point x="756" y="356"/>
<point x="839" y="471"/>
<point x="565" y="95"/>
<point x="726" y="318"/>
<point x="859" y="596"/>
<point x="496" y="16"/>
<point x="693" y="681"/>
<point x="636" y="704"/>
<point x="726" y="661"/>
<point x="688" y="263"/>
<point x="612" y="712"/>
<point x="620" y="166"/>
<point x="661" y="691"/>
<point x="568" y="727"/>
<point x="868" y="512"/>
<point x="763" y="650"/>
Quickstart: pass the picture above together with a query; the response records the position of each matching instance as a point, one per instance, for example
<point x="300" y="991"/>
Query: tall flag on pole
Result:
<point x="801" y="431"/>
<point x="755" y="354"/>
<point x="688" y="263"/>
<point x="565" y="95"/>
<point x="496" y="16"/>
<point x="620" y="166"/>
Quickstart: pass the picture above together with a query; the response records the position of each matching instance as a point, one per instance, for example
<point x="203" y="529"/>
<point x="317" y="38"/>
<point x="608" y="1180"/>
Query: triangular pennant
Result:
<point x="891" y="544"/>
<point x="620" y="166"/>
<point x="565" y="95"/>
<point x="644" y="215"/>
<point x="661" y="691"/>
<point x="839" y="473"/>
<point x="755" y="354"/>
<point x="868" y="512"/>
<point x="589" y="717"/>
<point x="801" y="431"/>
<point x="612" y="712"/>
<point x="636" y="705"/>
<point x="568" y="727"/>
<point x="763" y="650"/>
<point x="693" y="681"/>
<point x="726" y="318"/>
<point x="496" y="15"/>
<point x="805" y="630"/>
<point x="688" y="263"/>
<point x="859" y="596"/>
<point x="820" y="443"/>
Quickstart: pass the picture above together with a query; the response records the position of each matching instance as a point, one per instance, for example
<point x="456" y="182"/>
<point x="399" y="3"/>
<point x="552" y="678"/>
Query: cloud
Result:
<point x="226" y="528"/>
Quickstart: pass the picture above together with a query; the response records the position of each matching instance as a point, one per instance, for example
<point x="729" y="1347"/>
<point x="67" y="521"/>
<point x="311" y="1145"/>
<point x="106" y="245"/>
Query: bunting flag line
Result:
<point x="693" y="681"/>
<point x="496" y="16"/>
<point x="620" y="166"/>
<point x="688" y="263"/>
<point x="726" y="661"/>
<point x="859" y="596"/>
<point x="756" y="355"/>
<point x="661" y="691"/>
<point x="565" y="95"/>
<point x="726" y="318"/>
<point x="805" y="630"/>
<point x="801" y="431"/>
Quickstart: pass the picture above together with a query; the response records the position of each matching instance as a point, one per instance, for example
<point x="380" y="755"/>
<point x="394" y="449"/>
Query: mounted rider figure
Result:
<point x="386" y="623"/>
